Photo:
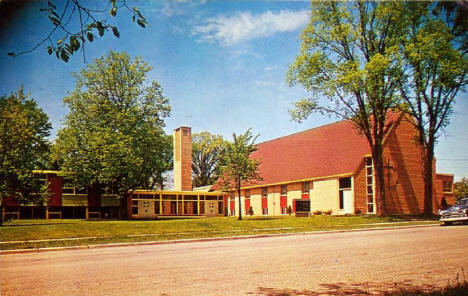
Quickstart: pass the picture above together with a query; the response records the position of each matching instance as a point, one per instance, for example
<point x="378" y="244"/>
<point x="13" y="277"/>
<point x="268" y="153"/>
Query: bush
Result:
<point x="251" y="212"/>
<point x="317" y="212"/>
<point x="290" y="210"/>
<point x="328" y="212"/>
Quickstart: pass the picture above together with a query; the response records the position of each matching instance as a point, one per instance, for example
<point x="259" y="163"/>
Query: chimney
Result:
<point x="183" y="159"/>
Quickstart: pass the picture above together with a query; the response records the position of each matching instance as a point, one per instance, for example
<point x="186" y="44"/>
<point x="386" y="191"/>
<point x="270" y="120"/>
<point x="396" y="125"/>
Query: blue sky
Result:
<point x="221" y="63"/>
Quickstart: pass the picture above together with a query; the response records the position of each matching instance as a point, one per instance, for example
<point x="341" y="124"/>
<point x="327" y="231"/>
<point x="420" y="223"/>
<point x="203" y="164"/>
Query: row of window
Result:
<point x="306" y="187"/>
<point x="170" y="207"/>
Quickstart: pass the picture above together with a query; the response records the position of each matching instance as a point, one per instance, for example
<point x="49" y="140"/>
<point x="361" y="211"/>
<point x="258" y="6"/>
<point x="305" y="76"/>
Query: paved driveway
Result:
<point x="333" y="263"/>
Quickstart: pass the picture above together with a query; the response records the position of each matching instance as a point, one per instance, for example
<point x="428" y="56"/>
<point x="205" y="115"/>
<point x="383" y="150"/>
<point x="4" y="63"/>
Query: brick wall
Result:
<point x="55" y="190"/>
<point x="182" y="159"/>
<point x="404" y="170"/>
<point x="360" y="189"/>
<point x="439" y="191"/>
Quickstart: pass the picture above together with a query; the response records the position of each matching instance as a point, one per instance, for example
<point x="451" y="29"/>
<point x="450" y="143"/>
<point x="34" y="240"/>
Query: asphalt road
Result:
<point x="349" y="263"/>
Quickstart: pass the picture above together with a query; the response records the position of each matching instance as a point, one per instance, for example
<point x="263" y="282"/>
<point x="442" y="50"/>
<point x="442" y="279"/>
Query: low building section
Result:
<point x="148" y="204"/>
<point x="64" y="201"/>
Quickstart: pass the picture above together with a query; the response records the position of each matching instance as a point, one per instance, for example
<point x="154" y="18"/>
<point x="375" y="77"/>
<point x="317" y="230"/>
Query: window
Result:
<point x="302" y="205"/>
<point x="370" y="185"/>
<point x="134" y="207"/>
<point x="284" y="189"/>
<point x="341" y="200"/>
<point x="247" y="193"/>
<point x="306" y="187"/>
<point x="264" y="192"/>
<point x="220" y="207"/>
<point x="345" y="183"/>
<point x="265" y="211"/>
<point x="156" y="207"/>
<point x="447" y="186"/>
<point x="284" y="210"/>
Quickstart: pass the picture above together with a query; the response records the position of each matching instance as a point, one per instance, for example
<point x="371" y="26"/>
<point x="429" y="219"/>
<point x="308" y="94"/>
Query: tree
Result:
<point x="436" y="67"/>
<point x="24" y="129"/>
<point x="206" y="154"/>
<point x="159" y="178"/>
<point x="349" y="56"/>
<point x="113" y="135"/>
<point x="461" y="188"/>
<point x="236" y="164"/>
<point x="77" y="24"/>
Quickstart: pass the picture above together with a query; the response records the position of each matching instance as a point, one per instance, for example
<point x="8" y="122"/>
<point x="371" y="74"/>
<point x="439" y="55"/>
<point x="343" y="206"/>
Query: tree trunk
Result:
<point x="1" y="213"/>
<point x="377" y="157"/>
<point x="428" y="174"/>
<point x="123" y="213"/>
<point x="240" y="203"/>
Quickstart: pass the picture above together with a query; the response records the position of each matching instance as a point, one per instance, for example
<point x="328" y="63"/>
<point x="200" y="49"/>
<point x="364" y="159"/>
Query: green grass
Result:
<point x="452" y="289"/>
<point x="61" y="232"/>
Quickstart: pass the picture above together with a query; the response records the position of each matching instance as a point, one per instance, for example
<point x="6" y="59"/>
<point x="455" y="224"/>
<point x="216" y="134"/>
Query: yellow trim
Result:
<point x="445" y="174"/>
<point x="47" y="172"/>
<point x="144" y="191"/>
<point x="300" y="180"/>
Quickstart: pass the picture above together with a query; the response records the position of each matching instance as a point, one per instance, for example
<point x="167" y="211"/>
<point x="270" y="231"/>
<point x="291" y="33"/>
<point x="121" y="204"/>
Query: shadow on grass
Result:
<point x="35" y="224"/>
<point x="394" y="289"/>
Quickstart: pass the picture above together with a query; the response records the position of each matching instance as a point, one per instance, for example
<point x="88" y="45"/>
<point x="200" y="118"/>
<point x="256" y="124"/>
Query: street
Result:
<point x="349" y="263"/>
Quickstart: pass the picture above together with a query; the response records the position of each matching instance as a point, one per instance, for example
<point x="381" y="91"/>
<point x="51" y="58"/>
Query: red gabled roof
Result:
<point x="333" y="149"/>
<point x="329" y="150"/>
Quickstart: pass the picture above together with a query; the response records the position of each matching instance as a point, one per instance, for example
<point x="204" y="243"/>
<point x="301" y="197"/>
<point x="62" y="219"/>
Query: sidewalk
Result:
<point x="91" y="246"/>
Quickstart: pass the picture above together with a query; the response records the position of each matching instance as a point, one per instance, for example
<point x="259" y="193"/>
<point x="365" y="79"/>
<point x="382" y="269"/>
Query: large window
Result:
<point x="302" y="205"/>
<point x="305" y="187"/>
<point x="370" y="185"/>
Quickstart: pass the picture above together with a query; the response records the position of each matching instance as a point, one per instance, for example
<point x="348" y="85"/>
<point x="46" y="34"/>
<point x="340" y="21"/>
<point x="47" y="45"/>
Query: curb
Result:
<point x="191" y="240"/>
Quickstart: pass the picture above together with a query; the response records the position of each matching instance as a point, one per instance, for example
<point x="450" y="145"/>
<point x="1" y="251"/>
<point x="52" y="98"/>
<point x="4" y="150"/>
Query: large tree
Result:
<point x="113" y="135"/>
<point x="166" y="163"/>
<point x="237" y="167"/>
<point x="350" y="64"/>
<point x="461" y="188"/>
<point x="436" y="67"/>
<point x="24" y="129"/>
<point x="206" y="154"/>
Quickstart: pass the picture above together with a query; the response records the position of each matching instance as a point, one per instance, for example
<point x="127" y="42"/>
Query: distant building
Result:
<point x="330" y="168"/>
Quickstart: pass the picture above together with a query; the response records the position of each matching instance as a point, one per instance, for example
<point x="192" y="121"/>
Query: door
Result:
<point x="348" y="201"/>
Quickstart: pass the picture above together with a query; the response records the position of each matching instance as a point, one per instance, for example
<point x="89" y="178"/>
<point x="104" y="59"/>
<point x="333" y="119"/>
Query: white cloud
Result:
<point x="245" y="26"/>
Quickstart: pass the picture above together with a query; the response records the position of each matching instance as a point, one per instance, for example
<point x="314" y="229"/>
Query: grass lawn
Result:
<point x="20" y="234"/>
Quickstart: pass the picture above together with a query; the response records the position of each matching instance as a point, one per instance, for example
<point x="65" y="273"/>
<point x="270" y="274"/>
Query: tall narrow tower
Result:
<point x="183" y="159"/>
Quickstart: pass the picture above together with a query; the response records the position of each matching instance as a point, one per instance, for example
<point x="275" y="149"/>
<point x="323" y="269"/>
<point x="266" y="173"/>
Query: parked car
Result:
<point x="455" y="213"/>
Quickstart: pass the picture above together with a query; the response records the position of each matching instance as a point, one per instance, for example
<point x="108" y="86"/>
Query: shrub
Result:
<point x="290" y="210"/>
<point x="251" y="212"/>
<point x="317" y="212"/>
<point x="328" y="212"/>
